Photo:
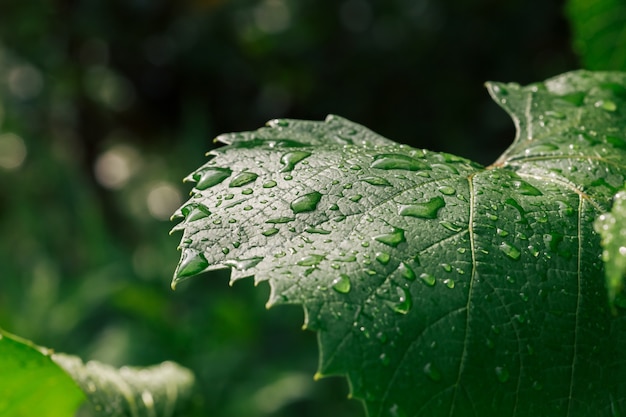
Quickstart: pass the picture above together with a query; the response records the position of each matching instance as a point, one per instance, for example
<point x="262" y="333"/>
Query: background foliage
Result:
<point x="104" y="106"/>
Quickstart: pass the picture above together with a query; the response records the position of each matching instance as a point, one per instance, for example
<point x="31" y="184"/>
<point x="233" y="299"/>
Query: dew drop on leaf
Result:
<point x="449" y="283"/>
<point x="243" y="179"/>
<point x="193" y="212"/>
<point x="280" y="220"/>
<point x="270" y="232"/>
<point x="311" y="260"/>
<point x="383" y="258"/>
<point x="447" y="190"/>
<point x="526" y="189"/>
<point x="306" y="202"/>
<point x="510" y="250"/>
<point x="290" y="159"/>
<point x="428" y="279"/>
<point x="406" y="271"/>
<point x="269" y="184"/>
<point x="317" y="230"/>
<point x="243" y="264"/>
<point x="606" y="105"/>
<point x="426" y="210"/>
<point x="451" y="226"/>
<point x="355" y="198"/>
<point x="192" y="263"/>
<point x="432" y="372"/>
<point x="210" y="176"/>
<point x="392" y="239"/>
<point x="341" y="284"/>
<point x="398" y="161"/>
<point x="404" y="304"/>
<point x="376" y="181"/>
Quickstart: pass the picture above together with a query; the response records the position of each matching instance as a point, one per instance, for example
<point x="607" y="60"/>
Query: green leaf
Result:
<point x="598" y="32"/>
<point x="32" y="384"/>
<point x="438" y="287"/>
<point x="36" y="382"/>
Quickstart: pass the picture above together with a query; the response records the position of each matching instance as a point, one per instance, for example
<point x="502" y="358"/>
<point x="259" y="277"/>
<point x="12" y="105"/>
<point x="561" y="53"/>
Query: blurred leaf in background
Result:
<point x="105" y="106"/>
<point x="598" y="33"/>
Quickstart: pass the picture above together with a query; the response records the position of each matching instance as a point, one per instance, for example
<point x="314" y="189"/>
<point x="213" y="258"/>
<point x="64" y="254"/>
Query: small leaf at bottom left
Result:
<point x="32" y="384"/>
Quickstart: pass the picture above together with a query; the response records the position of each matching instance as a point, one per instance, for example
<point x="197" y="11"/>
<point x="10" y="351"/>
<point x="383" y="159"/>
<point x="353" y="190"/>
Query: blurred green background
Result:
<point x="106" y="105"/>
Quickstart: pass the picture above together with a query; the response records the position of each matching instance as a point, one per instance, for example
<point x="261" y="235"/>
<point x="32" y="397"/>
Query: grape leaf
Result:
<point x="598" y="32"/>
<point x="437" y="286"/>
<point x="34" y="381"/>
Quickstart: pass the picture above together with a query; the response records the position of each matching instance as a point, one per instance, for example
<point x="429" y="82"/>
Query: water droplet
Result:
<point x="426" y="210"/>
<point x="576" y="99"/>
<point x="311" y="260"/>
<point x="451" y="226"/>
<point x="290" y="159"/>
<point x="334" y="207"/>
<point x="406" y="271"/>
<point x="243" y="179"/>
<point x="270" y="232"/>
<point x="225" y="251"/>
<point x="449" y="283"/>
<point x="432" y="372"/>
<point x="383" y="258"/>
<point x="317" y="230"/>
<point x="502" y="373"/>
<point x="447" y="190"/>
<point x="247" y="191"/>
<point x="510" y="250"/>
<point x="428" y="279"/>
<point x="398" y="161"/>
<point x="404" y="304"/>
<point x="565" y="208"/>
<point x="502" y="233"/>
<point x="492" y="217"/>
<point x="384" y="359"/>
<point x="210" y="176"/>
<point x="555" y="114"/>
<point x="280" y="220"/>
<point x="525" y="188"/>
<point x="376" y="181"/>
<point x="341" y="284"/>
<point x="229" y="196"/>
<point x="537" y="386"/>
<point x="445" y="167"/>
<point x="392" y="239"/>
<point x="243" y="264"/>
<point x="306" y="202"/>
<point x="606" y="105"/>
<point x="191" y="263"/>
<point x="269" y="184"/>
<point x="193" y="212"/>
<point x="356" y="197"/>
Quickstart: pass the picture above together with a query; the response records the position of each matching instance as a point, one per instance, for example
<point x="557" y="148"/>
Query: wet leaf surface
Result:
<point x="439" y="287"/>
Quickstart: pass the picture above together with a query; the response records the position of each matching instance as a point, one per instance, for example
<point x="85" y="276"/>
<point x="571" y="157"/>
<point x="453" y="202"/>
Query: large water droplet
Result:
<point x="406" y="271"/>
<point x="270" y="184"/>
<point x="398" y="161"/>
<point x="209" y="177"/>
<point x="428" y="279"/>
<point x="243" y="179"/>
<point x="280" y="220"/>
<point x="270" y="232"/>
<point x="451" y="226"/>
<point x="576" y="99"/>
<point x="404" y="304"/>
<point x="426" y="210"/>
<point x="193" y="212"/>
<point x="606" y="105"/>
<point x="376" y="181"/>
<point x="341" y="284"/>
<point x="311" y="260"/>
<point x="243" y="264"/>
<point x="510" y="250"/>
<point x="383" y="258"/>
<point x="447" y="190"/>
<point x="290" y="159"/>
<point x="392" y="239"/>
<point x="432" y="372"/>
<point x="306" y="202"/>
<point x="525" y="188"/>
<point x="191" y="263"/>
